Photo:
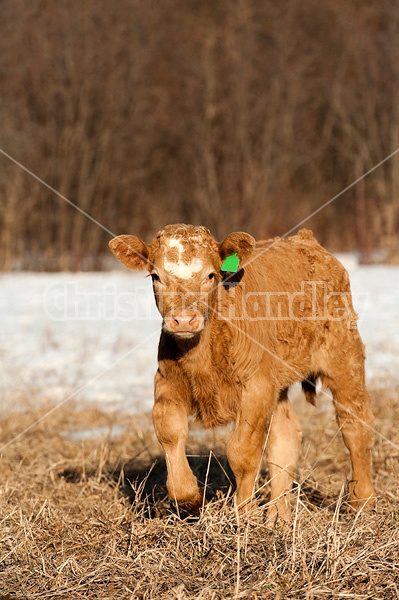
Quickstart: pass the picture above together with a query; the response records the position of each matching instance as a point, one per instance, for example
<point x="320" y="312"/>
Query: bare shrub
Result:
<point x="235" y="115"/>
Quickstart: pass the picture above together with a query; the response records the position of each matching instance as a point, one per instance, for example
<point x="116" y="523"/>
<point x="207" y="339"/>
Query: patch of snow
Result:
<point x="375" y="290"/>
<point x="110" y="433"/>
<point x="95" y="335"/>
<point x="350" y="260"/>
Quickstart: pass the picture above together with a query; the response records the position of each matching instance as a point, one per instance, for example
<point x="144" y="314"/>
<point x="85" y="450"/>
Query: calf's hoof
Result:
<point x="361" y="497"/>
<point x="191" y="505"/>
<point x="278" y="515"/>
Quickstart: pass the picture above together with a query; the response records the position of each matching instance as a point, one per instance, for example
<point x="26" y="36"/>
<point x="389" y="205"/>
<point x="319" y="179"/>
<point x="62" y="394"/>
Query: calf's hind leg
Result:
<point x="352" y="405"/>
<point x="245" y="447"/>
<point x="282" y="451"/>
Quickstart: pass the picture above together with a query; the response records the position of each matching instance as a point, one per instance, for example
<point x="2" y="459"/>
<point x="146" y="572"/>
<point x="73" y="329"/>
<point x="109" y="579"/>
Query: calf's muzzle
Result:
<point x="185" y="322"/>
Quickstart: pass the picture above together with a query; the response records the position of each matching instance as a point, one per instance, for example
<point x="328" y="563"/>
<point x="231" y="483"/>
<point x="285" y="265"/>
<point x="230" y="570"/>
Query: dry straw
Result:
<point x="90" y="518"/>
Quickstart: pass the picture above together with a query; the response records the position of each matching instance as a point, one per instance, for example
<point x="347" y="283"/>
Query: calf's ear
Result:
<point x="130" y="251"/>
<point x="239" y="242"/>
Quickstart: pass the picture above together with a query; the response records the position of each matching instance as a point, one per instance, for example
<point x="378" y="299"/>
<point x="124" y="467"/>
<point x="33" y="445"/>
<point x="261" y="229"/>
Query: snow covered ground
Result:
<point x="95" y="335"/>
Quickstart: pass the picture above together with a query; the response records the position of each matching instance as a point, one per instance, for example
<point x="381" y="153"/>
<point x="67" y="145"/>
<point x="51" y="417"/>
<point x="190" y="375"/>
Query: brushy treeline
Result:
<point x="236" y="114"/>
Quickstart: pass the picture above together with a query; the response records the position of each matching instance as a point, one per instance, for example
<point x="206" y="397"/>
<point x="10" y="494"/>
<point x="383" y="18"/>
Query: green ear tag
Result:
<point x="231" y="263"/>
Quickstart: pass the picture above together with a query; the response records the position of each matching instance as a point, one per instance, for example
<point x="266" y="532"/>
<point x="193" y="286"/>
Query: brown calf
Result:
<point x="231" y="347"/>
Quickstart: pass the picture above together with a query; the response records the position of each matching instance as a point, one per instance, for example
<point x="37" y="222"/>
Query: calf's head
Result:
<point x="184" y="262"/>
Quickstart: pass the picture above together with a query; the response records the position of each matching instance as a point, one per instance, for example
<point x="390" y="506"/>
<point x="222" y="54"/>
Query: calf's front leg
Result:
<point x="246" y="444"/>
<point x="170" y="419"/>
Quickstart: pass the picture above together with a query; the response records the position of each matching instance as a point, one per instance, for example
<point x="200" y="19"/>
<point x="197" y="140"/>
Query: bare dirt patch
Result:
<point x="84" y="514"/>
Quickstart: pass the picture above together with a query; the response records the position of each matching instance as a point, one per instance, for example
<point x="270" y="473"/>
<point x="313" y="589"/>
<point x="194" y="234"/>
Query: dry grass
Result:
<point x="79" y="519"/>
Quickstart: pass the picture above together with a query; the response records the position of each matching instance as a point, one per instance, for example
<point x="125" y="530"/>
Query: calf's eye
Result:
<point x="211" y="276"/>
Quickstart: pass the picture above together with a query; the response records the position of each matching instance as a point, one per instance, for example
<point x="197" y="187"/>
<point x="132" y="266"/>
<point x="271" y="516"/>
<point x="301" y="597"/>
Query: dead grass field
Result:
<point x="80" y="518"/>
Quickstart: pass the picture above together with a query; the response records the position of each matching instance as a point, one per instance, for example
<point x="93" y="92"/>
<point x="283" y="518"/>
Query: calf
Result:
<point x="232" y="345"/>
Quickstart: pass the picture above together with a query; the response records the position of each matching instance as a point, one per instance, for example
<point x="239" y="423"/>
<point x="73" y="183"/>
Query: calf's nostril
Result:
<point x="174" y="320"/>
<point x="194" y="322"/>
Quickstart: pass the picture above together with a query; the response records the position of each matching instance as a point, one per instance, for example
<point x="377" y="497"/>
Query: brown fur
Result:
<point x="260" y="335"/>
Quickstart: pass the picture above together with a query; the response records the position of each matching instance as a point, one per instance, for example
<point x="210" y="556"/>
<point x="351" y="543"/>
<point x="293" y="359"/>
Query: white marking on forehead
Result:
<point x="175" y="243"/>
<point x="183" y="270"/>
